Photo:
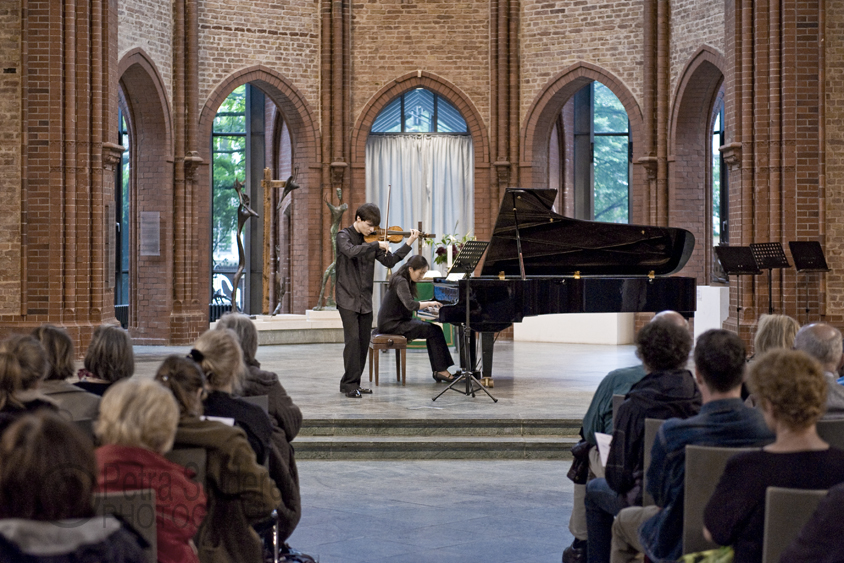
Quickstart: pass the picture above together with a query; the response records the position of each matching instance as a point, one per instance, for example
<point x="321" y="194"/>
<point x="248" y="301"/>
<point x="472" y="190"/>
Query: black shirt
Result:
<point x="397" y="306"/>
<point x="252" y="418"/>
<point x="356" y="269"/>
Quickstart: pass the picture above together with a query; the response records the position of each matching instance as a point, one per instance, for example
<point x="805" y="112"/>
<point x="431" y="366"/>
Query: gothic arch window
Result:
<point x="121" y="200"/>
<point x="719" y="190"/>
<point x="420" y="111"/>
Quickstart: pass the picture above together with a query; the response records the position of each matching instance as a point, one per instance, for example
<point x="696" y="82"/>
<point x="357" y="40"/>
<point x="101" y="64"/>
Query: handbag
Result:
<point x="721" y="555"/>
<point x="579" y="470"/>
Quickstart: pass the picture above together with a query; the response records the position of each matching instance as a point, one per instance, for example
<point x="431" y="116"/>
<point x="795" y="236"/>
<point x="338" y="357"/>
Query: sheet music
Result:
<point x="604" y="442"/>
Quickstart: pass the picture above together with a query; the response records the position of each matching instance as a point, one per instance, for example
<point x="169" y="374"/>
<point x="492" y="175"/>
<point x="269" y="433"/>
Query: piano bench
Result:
<point x="395" y="342"/>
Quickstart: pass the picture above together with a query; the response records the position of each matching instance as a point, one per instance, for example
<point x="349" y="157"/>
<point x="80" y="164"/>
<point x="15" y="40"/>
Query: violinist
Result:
<point x="395" y="316"/>
<point x="353" y="291"/>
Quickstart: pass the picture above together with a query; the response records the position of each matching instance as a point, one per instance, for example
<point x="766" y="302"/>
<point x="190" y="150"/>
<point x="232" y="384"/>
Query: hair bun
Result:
<point x="196" y="355"/>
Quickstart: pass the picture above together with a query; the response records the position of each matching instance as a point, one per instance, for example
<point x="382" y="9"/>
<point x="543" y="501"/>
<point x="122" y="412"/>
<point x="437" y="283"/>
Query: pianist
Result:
<point x="396" y="315"/>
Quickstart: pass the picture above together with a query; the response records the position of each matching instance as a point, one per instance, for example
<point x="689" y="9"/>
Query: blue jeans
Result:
<point x="602" y="505"/>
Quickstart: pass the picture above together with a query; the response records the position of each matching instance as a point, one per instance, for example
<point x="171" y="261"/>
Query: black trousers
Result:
<point x="414" y="329"/>
<point x="357" y="329"/>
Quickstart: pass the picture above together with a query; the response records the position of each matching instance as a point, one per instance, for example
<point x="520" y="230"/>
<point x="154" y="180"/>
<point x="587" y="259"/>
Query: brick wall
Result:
<point x="555" y="35"/>
<point x="281" y="36"/>
<point x="834" y="139"/>
<point x="148" y="24"/>
<point x="693" y="24"/>
<point x="10" y="156"/>
<point x="393" y="37"/>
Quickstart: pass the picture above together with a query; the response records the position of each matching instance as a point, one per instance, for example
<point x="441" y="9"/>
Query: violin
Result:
<point x="393" y="234"/>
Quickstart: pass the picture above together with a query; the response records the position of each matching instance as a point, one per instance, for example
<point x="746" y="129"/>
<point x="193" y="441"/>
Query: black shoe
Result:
<point x="353" y="394"/>
<point x="443" y="379"/>
<point x="364" y="391"/>
<point x="288" y="554"/>
<point x="575" y="553"/>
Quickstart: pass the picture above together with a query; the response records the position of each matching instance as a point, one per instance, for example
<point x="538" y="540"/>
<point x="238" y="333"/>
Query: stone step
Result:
<point x="440" y="427"/>
<point x="432" y="447"/>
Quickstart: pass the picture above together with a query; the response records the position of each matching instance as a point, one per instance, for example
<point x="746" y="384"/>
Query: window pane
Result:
<point x="231" y="117"/>
<point x="389" y="120"/>
<point x="611" y="173"/>
<point x="229" y="163"/>
<point x="418" y="111"/>
<point x="449" y="119"/>
<point x="716" y="185"/>
<point x="610" y="116"/>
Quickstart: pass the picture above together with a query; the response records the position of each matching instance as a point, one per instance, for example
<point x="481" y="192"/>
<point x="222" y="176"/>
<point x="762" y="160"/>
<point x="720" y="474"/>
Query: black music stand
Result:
<point x="465" y="263"/>
<point x="769" y="255"/>
<point x="737" y="261"/>
<point x="808" y="257"/>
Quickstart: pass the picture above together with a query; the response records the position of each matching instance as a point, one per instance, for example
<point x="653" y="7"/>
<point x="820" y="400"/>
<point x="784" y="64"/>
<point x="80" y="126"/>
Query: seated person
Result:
<point x="724" y="421"/>
<point x="598" y="418"/>
<point x="286" y="418"/>
<point x="820" y="539"/>
<point x="790" y="389"/>
<point x="668" y="390"/>
<point x="240" y="492"/>
<point x="136" y="426"/>
<point x="396" y="315"/>
<point x="73" y="402"/>
<point x="823" y="342"/>
<point x="773" y="331"/>
<point x="47" y="476"/>
<point x="23" y="366"/>
<point x="109" y="359"/>
<point x="218" y="354"/>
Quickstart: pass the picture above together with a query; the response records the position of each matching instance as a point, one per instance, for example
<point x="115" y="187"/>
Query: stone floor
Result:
<point x="420" y="511"/>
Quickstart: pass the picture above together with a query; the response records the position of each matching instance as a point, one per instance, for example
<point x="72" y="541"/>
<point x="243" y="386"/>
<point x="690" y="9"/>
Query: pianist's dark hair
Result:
<point x="417" y="262"/>
<point x="370" y="213"/>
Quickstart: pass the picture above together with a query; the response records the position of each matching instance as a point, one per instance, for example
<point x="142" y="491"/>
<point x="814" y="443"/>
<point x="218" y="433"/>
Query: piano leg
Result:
<point x="487" y="340"/>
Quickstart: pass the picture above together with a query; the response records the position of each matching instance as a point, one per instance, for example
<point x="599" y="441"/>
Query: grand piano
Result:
<point x="540" y="263"/>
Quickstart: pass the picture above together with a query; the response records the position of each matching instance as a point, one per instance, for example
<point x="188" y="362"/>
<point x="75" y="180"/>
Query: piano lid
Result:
<point x="553" y="245"/>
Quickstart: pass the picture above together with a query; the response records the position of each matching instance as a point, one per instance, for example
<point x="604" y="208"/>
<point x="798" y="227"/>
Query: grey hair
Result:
<point x="821" y="341"/>
<point x="223" y="360"/>
<point x="110" y="356"/>
<point x="246" y="333"/>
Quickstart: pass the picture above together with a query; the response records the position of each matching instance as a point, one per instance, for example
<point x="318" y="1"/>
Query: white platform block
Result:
<point x="713" y="306"/>
<point x="577" y="328"/>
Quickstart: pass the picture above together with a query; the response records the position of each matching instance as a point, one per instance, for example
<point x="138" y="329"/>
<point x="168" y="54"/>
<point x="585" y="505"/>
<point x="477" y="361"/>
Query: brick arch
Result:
<point x="542" y="116"/>
<point x="456" y="97"/>
<point x="145" y="102"/>
<point x="690" y="155"/>
<point x="307" y="206"/>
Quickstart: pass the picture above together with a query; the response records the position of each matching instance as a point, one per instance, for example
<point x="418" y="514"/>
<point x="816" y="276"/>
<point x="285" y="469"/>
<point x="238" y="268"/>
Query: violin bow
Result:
<point x="387" y="220"/>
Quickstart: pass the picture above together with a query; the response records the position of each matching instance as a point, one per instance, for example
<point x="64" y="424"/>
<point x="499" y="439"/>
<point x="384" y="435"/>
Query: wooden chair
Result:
<point x="832" y="432"/>
<point x="388" y="342"/>
<point x="135" y="509"/>
<point x="786" y="512"/>
<point x="704" y="466"/>
<point x="262" y="401"/>
<point x="652" y="426"/>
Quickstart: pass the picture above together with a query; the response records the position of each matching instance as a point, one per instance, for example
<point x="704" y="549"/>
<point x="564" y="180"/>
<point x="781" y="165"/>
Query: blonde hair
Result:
<point x="222" y="358"/>
<point x="775" y="331"/>
<point x="140" y="413"/>
<point x="792" y="383"/>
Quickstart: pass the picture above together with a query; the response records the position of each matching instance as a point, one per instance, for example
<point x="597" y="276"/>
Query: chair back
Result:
<point x="262" y="401"/>
<point x="704" y="466"/>
<point x="137" y="510"/>
<point x="192" y="458"/>
<point x="616" y="402"/>
<point x="652" y="426"/>
<point x="786" y="512"/>
<point x="832" y="432"/>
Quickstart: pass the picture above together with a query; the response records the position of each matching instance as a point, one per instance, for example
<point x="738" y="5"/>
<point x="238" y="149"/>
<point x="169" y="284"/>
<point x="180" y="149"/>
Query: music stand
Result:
<point x="808" y="257"/>
<point x="465" y="263"/>
<point x="769" y="255"/>
<point x="737" y="261"/>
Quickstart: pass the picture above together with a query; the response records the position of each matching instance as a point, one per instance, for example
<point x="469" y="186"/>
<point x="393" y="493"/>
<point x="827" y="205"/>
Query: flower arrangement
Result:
<point x="454" y="241"/>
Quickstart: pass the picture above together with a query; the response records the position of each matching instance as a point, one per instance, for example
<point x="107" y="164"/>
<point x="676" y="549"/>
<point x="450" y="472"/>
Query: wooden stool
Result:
<point x="388" y="342"/>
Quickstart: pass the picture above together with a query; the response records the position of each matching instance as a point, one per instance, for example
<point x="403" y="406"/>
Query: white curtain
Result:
<point x="432" y="179"/>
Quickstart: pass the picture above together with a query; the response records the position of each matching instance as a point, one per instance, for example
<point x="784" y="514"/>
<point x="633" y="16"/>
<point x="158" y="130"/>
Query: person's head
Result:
<point x="183" y="377"/>
<point x="790" y="388"/>
<point x="47" y="470"/>
<point x="221" y="359"/>
<point x="59" y="348"/>
<point x="413" y="270"/>
<point x="720" y="359"/>
<point x="367" y="218"/>
<point x="139" y="413"/>
<point x="671" y="317"/>
<point x="31" y="360"/>
<point x="110" y="356"/>
<point x="822" y="342"/>
<point x="775" y="331"/>
<point x="246" y="333"/>
<point x="663" y="345"/>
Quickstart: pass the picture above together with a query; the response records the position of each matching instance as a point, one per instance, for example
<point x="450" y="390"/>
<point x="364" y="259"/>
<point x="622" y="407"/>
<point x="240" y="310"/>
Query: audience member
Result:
<point x="240" y="492"/>
<point x="285" y="415"/>
<point x="723" y="421"/>
<point x="823" y="342"/>
<point x="47" y="478"/>
<point x="23" y="366"/>
<point x="109" y="359"/>
<point x="791" y="389"/>
<point x="137" y="425"/>
<point x="668" y="390"/>
<point x="218" y="354"/>
<point x="598" y="418"/>
<point x="74" y="403"/>
<point x="820" y="540"/>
